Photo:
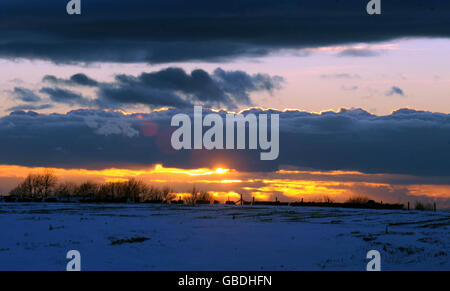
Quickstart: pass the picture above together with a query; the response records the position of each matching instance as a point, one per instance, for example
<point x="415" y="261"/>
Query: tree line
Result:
<point x="45" y="186"/>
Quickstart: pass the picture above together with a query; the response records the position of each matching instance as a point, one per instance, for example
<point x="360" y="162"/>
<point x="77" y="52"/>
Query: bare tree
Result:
<point x="133" y="189"/>
<point x="155" y="194"/>
<point x="27" y="186"/>
<point x="205" y="196"/>
<point x="358" y="200"/>
<point x="36" y="185"/>
<point x="45" y="184"/>
<point x="87" y="189"/>
<point x="327" y="199"/>
<point x="105" y="191"/>
<point x="65" y="190"/>
<point x="167" y="194"/>
<point x="193" y="197"/>
<point x="48" y="182"/>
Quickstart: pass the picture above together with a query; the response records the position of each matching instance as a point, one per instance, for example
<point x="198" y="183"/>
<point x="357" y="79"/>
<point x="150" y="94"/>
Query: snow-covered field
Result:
<point x="219" y="237"/>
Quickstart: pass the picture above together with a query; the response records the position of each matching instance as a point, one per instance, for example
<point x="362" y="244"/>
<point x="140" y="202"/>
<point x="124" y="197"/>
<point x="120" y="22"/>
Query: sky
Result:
<point x="363" y="99"/>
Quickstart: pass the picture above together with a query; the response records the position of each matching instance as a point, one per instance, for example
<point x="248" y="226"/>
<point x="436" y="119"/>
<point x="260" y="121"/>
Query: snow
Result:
<point x="37" y="236"/>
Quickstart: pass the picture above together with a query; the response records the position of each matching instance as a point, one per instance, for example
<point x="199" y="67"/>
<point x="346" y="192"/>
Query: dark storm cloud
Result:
<point x="111" y="96"/>
<point x="30" y="107"/>
<point x="405" y="142"/>
<point x="199" y="84"/>
<point x="174" y="87"/>
<point x="238" y="83"/>
<point x="64" y="96"/>
<point x="74" y="80"/>
<point x="395" y="91"/>
<point x="170" y="87"/>
<point x="176" y="30"/>
<point x="25" y="95"/>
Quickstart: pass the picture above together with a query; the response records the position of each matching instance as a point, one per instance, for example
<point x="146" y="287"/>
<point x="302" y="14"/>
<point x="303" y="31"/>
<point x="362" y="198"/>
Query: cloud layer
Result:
<point x="170" y="87"/>
<point x="175" y="30"/>
<point x="405" y="142"/>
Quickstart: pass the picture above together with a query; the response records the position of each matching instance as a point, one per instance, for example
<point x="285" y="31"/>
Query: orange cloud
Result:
<point x="224" y="184"/>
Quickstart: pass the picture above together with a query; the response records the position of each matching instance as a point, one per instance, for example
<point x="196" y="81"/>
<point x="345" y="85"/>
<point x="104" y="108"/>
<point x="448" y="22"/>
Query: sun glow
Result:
<point x="194" y="172"/>
<point x="221" y="171"/>
<point x="230" y="181"/>
<point x="224" y="184"/>
<point x="231" y="195"/>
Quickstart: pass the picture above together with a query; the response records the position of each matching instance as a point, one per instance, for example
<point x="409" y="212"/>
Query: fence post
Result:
<point x="408" y="205"/>
<point x="434" y="206"/>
